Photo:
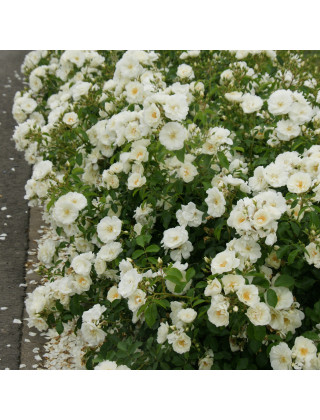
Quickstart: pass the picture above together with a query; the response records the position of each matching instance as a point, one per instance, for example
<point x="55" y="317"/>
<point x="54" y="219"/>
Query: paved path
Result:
<point x="14" y="172"/>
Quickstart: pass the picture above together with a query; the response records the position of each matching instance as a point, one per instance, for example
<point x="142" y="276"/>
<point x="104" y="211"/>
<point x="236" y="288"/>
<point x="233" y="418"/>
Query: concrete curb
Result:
<point x="14" y="172"/>
<point x="32" y="342"/>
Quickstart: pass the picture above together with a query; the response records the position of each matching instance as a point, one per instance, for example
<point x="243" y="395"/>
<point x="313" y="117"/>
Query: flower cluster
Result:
<point x="181" y="192"/>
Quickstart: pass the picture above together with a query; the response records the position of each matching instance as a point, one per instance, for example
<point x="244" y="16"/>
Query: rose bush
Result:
<point x="182" y="193"/>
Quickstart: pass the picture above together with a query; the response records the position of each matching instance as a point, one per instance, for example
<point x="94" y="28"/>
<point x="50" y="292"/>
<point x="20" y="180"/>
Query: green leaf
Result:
<point x="201" y="284"/>
<point x="79" y="159"/>
<point x="75" y="307"/>
<point x="284" y="280"/>
<point x="272" y="298"/>
<point x="180" y="154"/>
<point x="174" y="280"/>
<point x="280" y="60"/>
<point x="190" y="273"/>
<point x="242" y="364"/>
<point x="164" y="303"/>
<point x="51" y="203"/>
<point x="137" y="253"/>
<point x="59" y="306"/>
<point x="77" y="171"/>
<point x="175" y="273"/>
<point x="151" y="314"/>
<point x="258" y="281"/>
<point x="293" y="255"/>
<point x="223" y="160"/>
<point x="59" y="230"/>
<point x="140" y="240"/>
<point x="311" y="335"/>
<point x="153" y="248"/>
<point x="283" y="250"/>
<point x="122" y="346"/>
<point x="166" y="217"/>
<point x="147" y="238"/>
<point x="59" y="327"/>
<point x="198" y="302"/>
<point x="179" y="287"/>
<point x="259" y="332"/>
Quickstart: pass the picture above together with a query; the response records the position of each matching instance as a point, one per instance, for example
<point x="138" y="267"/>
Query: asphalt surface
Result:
<point x="14" y="216"/>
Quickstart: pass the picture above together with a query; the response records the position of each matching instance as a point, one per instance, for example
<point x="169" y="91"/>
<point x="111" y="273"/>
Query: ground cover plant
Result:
<point x="182" y="192"/>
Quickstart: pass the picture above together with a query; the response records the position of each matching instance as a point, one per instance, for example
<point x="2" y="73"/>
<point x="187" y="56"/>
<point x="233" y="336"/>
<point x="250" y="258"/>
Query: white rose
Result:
<point x="213" y="288"/>
<point x="137" y="299"/>
<point x="287" y="130"/>
<point x="185" y="72"/>
<point x="110" y="251"/>
<point x="100" y="266"/>
<point x="280" y="357"/>
<point x="218" y="313"/>
<point x="79" y="200"/>
<point x="180" y="341"/>
<point x="234" y="96"/>
<point x="41" y="169"/>
<point x="251" y="103"/>
<point x="134" y="92"/>
<point x="261" y="219"/>
<point x="299" y="182"/>
<point x="187" y="315"/>
<point x="82" y="263"/>
<point x="129" y="282"/>
<point x="175" y="237"/>
<point x="259" y="314"/>
<point x="82" y="283"/>
<point x="176" y="107"/>
<point x="284" y="296"/>
<point x="92" y="334"/>
<point x="232" y="282"/>
<point x="46" y="251"/>
<point x="109" y="228"/>
<point x="280" y="102"/>
<point x="28" y="105"/>
<point x="152" y="116"/>
<point x="70" y="118"/>
<point x="135" y="180"/>
<point x="163" y="331"/>
<point x="106" y="365"/>
<point x="248" y="294"/>
<point x="304" y="349"/>
<point x="223" y="262"/>
<point x="216" y="202"/>
<point x="206" y="362"/>
<point x="64" y="211"/>
<point x="113" y="294"/>
<point x="94" y="314"/>
<point x="173" y="136"/>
